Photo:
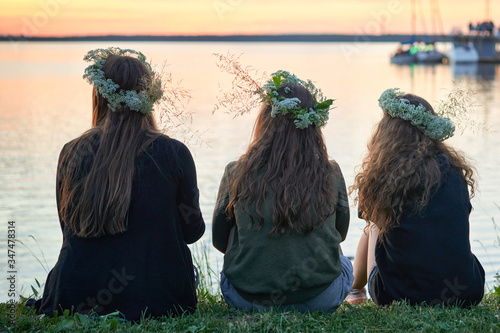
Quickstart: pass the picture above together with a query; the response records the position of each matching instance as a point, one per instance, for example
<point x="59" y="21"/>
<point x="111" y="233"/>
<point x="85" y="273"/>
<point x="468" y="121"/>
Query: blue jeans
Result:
<point x="377" y="290"/>
<point x="328" y="301"/>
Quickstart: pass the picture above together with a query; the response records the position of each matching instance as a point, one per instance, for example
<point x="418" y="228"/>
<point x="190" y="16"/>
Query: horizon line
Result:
<point x="290" y="37"/>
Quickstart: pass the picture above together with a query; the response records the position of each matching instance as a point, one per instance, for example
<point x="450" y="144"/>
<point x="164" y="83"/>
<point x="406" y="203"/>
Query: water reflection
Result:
<point x="476" y="71"/>
<point x="486" y="72"/>
<point x="464" y="70"/>
<point x="481" y="72"/>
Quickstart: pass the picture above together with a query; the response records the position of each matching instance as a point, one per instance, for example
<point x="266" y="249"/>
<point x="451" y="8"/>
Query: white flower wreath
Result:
<point x="436" y="128"/>
<point x="303" y="118"/>
<point x="142" y="101"/>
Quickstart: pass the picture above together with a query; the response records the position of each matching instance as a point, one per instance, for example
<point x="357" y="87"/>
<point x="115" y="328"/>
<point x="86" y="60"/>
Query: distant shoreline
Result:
<point x="314" y="38"/>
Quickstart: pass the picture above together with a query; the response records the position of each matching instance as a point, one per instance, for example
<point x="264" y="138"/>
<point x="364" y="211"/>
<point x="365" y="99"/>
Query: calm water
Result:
<point x="44" y="103"/>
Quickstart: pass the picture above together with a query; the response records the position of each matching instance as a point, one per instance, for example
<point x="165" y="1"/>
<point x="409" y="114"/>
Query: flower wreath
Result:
<point x="435" y="127"/>
<point x="142" y="101"/>
<point x="317" y="115"/>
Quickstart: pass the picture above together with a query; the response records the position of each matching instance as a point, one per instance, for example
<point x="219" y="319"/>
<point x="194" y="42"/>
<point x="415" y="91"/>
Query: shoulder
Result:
<point x="166" y="147"/>
<point x="229" y="170"/>
<point x="335" y="165"/>
<point x="443" y="162"/>
<point x="70" y="145"/>
<point x="81" y="149"/>
<point x="336" y="173"/>
<point x="231" y="166"/>
<point x="167" y="143"/>
<point x="449" y="173"/>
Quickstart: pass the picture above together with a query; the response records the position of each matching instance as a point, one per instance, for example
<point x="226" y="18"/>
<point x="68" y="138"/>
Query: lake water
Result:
<point x="44" y="102"/>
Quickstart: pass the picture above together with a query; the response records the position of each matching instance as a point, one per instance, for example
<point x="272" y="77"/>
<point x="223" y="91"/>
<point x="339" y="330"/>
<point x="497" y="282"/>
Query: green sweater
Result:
<point x="287" y="269"/>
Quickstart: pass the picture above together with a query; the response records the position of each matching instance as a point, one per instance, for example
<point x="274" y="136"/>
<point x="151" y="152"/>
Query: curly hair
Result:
<point x="402" y="167"/>
<point x="289" y="162"/>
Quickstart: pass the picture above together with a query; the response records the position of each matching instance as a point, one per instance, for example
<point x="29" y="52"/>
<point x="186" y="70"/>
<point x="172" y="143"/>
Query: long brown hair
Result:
<point x="289" y="162"/>
<point x="96" y="170"/>
<point x="401" y="166"/>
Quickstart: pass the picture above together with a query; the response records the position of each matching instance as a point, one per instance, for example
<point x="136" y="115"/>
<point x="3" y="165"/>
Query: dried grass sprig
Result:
<point x="241" y="98"/>
<point x="459" y="105"/>
<point x="173" y="116"/>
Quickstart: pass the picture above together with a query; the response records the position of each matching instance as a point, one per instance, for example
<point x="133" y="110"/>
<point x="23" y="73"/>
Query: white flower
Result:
<point x="303" y="118"/>
<point x="434" y="127"/>
<point x="136" y="101"/>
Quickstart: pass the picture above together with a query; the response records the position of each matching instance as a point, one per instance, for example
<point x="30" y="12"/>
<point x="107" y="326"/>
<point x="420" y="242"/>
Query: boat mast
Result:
<point x="422" y="17"/>
<point x="437" y="20"/>
<point x="413" y="18"/>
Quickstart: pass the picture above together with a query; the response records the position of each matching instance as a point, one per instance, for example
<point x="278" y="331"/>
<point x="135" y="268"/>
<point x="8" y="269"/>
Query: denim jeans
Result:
<point x="329" y="300"/>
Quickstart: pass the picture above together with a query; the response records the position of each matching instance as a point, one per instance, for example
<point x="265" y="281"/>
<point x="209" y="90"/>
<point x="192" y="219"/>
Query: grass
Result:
<point x="213" y="315"/>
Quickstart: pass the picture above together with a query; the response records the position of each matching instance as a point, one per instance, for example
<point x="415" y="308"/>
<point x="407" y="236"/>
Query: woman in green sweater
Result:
<point x="282" y="208"/>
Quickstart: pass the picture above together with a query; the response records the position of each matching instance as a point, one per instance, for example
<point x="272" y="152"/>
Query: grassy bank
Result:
<point x="214" y="315"/>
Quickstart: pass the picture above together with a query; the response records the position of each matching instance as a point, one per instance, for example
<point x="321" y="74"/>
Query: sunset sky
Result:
<point x="223" y="17"/>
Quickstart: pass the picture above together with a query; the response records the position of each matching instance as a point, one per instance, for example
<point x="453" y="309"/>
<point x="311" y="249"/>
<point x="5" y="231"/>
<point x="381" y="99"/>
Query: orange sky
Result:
<point x="195" y="17"/>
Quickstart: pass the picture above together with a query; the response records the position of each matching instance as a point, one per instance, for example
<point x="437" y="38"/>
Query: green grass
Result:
<point x="213" y="315"/>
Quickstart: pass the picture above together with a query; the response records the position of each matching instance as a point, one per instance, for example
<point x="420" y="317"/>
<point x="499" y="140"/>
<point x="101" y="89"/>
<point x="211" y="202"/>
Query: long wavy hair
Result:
<point x="95" y="172"/>
<point x="289" y="162"/>
<point x="402" y="166"/>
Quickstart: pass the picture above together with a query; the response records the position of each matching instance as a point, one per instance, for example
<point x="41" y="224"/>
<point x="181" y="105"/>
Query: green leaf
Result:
<point x="325" y="104"/>
<point x="277" y="80"/>
<point x="194" y="329"/>
<point x="64" y="325"/>
<point x="85" y="320"/>
<point x="35" y="292"/>
<point x="112" y="324"/>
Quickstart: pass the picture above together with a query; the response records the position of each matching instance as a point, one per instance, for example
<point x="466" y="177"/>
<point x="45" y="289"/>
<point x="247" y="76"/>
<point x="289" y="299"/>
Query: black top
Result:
<point x="426" y="258"/>
<point x="147" y="268"/>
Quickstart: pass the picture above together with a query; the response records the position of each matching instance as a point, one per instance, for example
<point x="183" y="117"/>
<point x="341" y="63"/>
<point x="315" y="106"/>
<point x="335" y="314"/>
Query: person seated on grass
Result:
<point x="282" y="209"/>
<point x="413" y="193"/>
<point x="127" y="200"/>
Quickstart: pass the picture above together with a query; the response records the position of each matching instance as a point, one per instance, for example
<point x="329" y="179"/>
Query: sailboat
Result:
<point x="429" y="55"/>
<point x="405" y="54"/>
<point x="412" y="52"/>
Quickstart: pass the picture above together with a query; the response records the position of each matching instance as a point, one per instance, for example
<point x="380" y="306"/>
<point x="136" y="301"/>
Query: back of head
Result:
<point x="416" y="100"/>
<point x="127" y="72"/>
<point x="278" y="127"/>
<point x="285" y="160"/>
<point x="130" y="75"/>
<point x="95" y="200"/>
<point x="291" y="90"/>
